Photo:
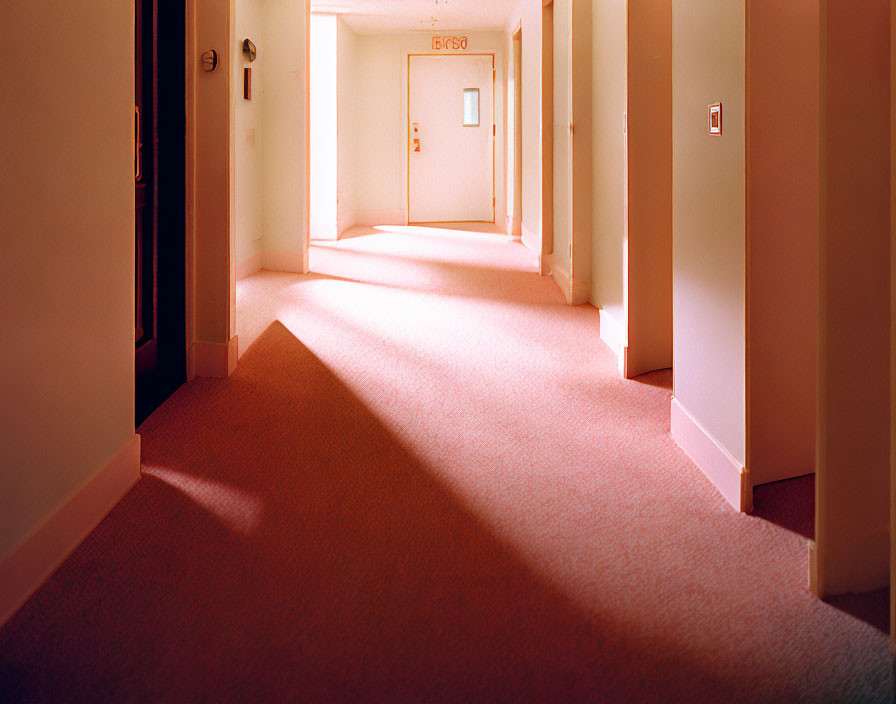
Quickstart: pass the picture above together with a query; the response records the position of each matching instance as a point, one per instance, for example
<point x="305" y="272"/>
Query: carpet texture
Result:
<point x="426" y="482"/>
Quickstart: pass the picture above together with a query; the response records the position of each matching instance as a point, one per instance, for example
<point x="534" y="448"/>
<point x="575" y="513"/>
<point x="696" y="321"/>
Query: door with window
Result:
<point x="451" y="132"/>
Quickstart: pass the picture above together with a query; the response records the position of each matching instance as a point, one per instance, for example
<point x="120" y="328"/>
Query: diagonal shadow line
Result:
<point x="365" y="579"/>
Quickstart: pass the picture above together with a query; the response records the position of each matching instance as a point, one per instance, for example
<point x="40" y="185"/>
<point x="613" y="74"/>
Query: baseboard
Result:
<point x="346" y="223"/>
<point x="863" y="565"/>
<point x="30" y="563"/>
<point x="814" y="576"/>
<point x="513" y="228"/>
<point x="726" y="473"/>
<point x="215" y="359"/>
<point x="546" y="264"/>
<point x="613" y="335"/>
<point x="290" y="262"/>
<point x="531" y="239"/>
<point x="581" y="292"/>
<point x="372" y="218"/>
<point x="636" y="365"/>
<point x="575" y="293"/>
<point x="561" y="277"/>
<point x="250" y="266"/>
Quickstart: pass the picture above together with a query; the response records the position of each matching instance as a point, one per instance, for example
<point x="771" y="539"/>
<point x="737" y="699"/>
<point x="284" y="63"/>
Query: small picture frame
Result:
<point x="715" y="120"/>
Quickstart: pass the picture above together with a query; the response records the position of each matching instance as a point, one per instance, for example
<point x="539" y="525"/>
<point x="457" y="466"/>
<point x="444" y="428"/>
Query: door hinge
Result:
<point x="494" y="130"/>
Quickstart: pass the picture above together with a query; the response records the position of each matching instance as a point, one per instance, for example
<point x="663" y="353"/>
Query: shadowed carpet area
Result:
<point x="426" y="482"/>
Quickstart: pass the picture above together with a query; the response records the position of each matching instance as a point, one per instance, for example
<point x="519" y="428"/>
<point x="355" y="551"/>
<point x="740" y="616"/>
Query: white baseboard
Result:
<point x="372" y="218"/>
<point x="36" y="557"/>
<point x="862" y="565"/>
<point x="561" y="277"/>
<point x="290" y="262"/>
<point x="613" y="334"/>
<point x="250" y="266"/>
<point x="215" y="359"/>
<point x="728" y="475"/>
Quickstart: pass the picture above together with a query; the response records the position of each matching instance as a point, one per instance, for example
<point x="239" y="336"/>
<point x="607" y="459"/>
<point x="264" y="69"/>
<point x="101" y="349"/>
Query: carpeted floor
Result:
<point x="426" y="482"/>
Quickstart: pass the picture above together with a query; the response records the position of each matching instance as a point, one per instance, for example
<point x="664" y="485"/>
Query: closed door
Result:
<point x="451" y="138"/>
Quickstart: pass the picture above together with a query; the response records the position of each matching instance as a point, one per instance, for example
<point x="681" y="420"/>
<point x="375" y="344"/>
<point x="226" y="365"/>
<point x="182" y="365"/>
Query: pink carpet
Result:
<point x="427" y="483"/>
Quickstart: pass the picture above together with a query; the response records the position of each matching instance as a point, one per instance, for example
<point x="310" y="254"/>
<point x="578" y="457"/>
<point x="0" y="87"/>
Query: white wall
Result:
<point x="709" y="218"/>
<point x="348" y="119"/>
<point x="562" y="155"/>
<point x="285" y="147"/>
<point x="608" y="174"/>
<point x="381" y="159"/>
<point x="249" y="138"/>
<point x="67" y="268"/>
<point x="323" y="127"/>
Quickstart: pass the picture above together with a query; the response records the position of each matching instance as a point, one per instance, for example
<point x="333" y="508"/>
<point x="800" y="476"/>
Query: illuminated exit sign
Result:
<point x="449" y="43"/>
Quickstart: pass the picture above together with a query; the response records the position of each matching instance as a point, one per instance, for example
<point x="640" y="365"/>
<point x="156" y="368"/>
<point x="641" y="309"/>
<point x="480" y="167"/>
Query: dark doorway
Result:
<point x="160" y="193"/>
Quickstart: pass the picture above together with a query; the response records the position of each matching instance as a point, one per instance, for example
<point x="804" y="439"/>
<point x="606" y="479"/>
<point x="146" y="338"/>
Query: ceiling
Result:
<point x="388" y="16"/>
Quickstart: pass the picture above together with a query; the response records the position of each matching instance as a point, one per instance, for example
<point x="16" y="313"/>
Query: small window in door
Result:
<point x="471" y="107"/>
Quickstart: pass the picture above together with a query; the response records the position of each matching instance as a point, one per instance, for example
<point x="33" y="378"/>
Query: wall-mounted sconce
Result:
<point x="210" y="60"/>
<point x="249" y="49"/>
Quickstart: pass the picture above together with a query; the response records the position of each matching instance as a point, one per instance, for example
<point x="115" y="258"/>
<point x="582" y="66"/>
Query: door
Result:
<point x="160" y="203"/>
<point x="451" y="128"/>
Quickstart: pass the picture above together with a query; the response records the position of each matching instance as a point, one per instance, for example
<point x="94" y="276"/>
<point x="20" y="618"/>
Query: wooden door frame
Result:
<point x="407" y="132"/>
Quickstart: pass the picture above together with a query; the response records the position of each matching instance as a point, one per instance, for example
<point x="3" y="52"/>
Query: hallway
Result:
<point x="427" y="482"/>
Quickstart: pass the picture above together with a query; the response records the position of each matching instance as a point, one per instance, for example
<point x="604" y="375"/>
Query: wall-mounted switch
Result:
<point x="715" y="119"/>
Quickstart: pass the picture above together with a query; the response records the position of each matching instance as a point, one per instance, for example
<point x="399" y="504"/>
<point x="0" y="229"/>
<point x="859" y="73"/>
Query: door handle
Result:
<point x="138" y="146"/>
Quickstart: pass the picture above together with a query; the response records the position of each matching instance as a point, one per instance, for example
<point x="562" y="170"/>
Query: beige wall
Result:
<point x="709" y="217"/>
<point x="249" y="134"/>
<point x="782" y="238"/>
<point x="852" y="514"/>
<point x="324" y="161"/>
<point x="608" y="158"/>
<point x="528" y="16"/>
<point x="649" y="183"/>
<point x="285" y="148"/>
<point x="213" y="178"/>
<point x="348" y="118"/>
<point x="67" y="268"/>
<point x="583" y="137"/>
<point x="631" y="265"/>
<point x="381" y="158"/>
<point x="562" y="118"/>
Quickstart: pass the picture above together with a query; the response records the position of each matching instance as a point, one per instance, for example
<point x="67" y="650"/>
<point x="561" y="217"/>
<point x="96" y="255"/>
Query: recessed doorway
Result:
<point x="451" y="129"/>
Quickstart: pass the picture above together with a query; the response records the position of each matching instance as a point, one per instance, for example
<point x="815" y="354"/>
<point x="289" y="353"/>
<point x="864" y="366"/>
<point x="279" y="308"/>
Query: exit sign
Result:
<point x="449" y="43"/>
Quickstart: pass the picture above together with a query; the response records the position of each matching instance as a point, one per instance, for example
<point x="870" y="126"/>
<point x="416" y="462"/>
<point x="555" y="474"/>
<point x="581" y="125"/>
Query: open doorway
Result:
<point x="160" y="203"/>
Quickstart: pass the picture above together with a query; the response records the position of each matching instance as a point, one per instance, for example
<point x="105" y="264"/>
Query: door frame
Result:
<point x="161" y="365"/>
<point x="515" y="228"/>
<point x="407" y="132"/>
